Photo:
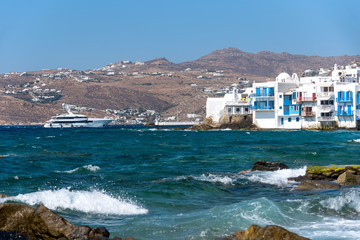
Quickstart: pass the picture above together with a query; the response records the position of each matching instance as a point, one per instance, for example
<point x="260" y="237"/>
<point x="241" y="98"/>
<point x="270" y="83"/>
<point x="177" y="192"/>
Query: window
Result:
<point x="289" y="119"/>
<point x="229" y="110"/>
<point x="297" y="119"/>
<point x="328" y="114"/>
<point x="280" y="96"/>
<point x="237" y="109"/>
<point x="280" y="107"/>
<point x="296" y="108"/>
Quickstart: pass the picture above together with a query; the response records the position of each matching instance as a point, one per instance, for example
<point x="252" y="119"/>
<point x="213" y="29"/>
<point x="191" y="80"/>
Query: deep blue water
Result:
<point x="167" y="184"/>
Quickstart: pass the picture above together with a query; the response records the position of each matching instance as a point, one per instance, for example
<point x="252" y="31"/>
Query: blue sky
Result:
<point x="84" y="34"/>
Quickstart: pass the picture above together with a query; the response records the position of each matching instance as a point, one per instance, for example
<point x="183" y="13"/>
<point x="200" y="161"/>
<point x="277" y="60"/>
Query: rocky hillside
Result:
<point x="267" y="64"/>
<point x="169" y="89"/>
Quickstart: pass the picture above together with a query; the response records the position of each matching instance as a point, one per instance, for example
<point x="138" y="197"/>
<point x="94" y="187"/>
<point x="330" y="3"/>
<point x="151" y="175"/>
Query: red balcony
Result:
<point x="306" y="99"/>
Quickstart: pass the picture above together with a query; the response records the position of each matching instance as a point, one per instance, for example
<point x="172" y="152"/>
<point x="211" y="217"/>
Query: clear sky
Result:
<point x="84" y="34"/>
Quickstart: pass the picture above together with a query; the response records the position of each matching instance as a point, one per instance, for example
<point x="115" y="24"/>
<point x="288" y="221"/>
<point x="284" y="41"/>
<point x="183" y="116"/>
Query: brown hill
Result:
<point x="169" y="88"/>
<point x="267" y="64"/>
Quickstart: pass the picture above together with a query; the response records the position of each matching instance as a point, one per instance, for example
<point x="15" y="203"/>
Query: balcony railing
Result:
<point x="326" y="108"/>
<point x="306" y="99"/>
<point x="262" y="94"/>
<point x="326" y="118"/>
<point x="344" y="113"/>
<point x="341" y="100"/>
<point x="262" y="108"/>
<point x="325" y="95"/>
<point x="307" y="114"/>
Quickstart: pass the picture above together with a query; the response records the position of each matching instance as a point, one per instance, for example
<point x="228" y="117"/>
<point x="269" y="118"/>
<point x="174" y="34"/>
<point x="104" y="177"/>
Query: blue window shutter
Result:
<point x="339" y="96"/>
<point x="339" y="110"/>
<point x="257" y="91"/>
<point x="351" y="95"/>
<point x="349" y="109"/>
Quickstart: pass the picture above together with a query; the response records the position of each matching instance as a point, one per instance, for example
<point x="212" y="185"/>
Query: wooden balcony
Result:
<point x="307" y="114"/>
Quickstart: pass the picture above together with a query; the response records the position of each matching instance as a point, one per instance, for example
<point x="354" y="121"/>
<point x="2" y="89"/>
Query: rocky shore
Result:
<point x="233" y="122"/>
<point x="19" y="221"/>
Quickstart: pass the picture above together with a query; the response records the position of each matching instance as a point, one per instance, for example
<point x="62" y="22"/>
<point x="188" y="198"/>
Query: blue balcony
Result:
<point x="344" y="100"/>
<point x="263" y="94"/>
<point x="344" y="113"/>
<point x="262" y="107"/>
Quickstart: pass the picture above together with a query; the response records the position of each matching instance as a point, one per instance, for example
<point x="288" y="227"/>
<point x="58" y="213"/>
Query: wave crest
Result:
<point x="91" y="168"/>
<point x="94" y="201"/>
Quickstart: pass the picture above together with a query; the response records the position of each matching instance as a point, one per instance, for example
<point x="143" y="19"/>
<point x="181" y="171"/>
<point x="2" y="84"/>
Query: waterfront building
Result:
<point x="291" y="102"/>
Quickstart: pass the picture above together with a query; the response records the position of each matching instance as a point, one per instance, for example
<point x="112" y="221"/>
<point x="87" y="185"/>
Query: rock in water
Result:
<point x="41" y="223"/>
<point x="268" y="166"/>
<point x="316" y="185"/>
<point x="271" y="232"/>
<point x="348" y="179"/>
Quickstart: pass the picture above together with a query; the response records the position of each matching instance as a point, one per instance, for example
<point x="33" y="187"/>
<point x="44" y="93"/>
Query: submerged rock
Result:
<point x="268" y="166"/>
<point x="271" y="232"/>
<point x="348" y="179"/>
<point x="42" y="223"/>
<point x="316" y="185"/>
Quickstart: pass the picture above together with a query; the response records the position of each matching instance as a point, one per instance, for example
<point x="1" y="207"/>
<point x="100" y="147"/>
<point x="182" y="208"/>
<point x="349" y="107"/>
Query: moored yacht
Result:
<point x="75" y="120"/>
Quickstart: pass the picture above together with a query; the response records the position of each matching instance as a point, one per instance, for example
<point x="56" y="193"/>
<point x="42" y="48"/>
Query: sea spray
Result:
<point x="97" y="202"/>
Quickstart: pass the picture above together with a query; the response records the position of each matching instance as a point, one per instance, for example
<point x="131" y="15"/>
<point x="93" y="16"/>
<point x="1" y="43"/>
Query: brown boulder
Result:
<point x="42" y="223"/>
<point x="271" y="232"/>
<point x="4" y="195"/>
<point x="268" y="166"/>
<point x="316" y="185"/>
<point x="348" y="179"/>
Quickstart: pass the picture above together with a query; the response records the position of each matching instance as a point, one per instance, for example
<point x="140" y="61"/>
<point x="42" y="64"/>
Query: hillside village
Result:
<point x="139" y="92"/>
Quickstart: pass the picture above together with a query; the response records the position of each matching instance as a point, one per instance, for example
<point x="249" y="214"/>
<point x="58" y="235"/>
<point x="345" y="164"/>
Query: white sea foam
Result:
<point x="329" y="229"/>
<point x="96" y="202"/>
<point x="355" y="140"/>
<point x="92" y="168"/>
<point x="278" y="178"/>
<point x="215" y="178"/>
<point x="350" y="199"/>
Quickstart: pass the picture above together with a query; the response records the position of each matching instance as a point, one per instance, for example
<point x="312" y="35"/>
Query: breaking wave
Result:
<point x="278" y="178"/>
<point x="91" y="168"/>
<point x="215" y="178"/>
<point x="94" y="201"/>
<point x="346" y="201"/>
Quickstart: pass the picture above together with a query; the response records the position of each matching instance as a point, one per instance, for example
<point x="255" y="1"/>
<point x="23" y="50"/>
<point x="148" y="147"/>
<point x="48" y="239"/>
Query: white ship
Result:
<point x="70" y="120"/>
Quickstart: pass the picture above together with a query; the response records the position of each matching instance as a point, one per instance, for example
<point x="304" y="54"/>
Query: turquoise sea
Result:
<point x="168" y="184"/>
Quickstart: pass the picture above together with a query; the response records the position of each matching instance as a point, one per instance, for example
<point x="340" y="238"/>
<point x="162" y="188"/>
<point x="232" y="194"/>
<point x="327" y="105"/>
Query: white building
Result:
<point x="293" y="103"/>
